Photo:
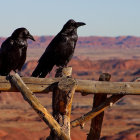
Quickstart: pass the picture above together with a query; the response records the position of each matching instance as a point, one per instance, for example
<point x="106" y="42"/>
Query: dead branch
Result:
<point x="96" y="111"/>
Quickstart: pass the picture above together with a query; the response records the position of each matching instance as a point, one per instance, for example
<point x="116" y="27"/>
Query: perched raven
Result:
<point x="60" y="51"/>
<point x="13" y="51"/>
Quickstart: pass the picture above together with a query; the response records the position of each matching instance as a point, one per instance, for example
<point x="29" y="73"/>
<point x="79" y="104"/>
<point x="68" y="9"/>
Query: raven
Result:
<point x="13" y="51"/>
<point x="60" y="50"/>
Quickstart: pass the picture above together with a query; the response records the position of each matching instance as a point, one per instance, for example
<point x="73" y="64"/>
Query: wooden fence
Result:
<point x="63" y="87"/>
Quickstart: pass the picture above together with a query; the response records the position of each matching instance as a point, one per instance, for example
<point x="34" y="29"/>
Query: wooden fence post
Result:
<point x="96" y="123"/>
<point x="36" y="105"/>
<point x="62" y="101"/>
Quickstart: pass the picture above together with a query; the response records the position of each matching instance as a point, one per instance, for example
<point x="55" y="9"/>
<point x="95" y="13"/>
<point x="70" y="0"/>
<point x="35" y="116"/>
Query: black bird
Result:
<point x="60" y="51"/>
<point x="13" y="51"/>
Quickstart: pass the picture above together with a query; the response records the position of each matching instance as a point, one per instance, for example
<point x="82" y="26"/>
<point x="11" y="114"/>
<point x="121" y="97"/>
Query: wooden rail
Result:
<point x="44" y="85"/>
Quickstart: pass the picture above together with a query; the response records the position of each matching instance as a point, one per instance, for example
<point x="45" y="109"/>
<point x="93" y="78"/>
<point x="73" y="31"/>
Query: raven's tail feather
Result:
<point x="42" y="70"/>
<point x="36" y="72"/>
<point x="43" y="74"/>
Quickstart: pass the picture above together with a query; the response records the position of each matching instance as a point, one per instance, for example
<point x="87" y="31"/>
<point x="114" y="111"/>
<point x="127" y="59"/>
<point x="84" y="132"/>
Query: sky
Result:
<point x="47" y="17"/>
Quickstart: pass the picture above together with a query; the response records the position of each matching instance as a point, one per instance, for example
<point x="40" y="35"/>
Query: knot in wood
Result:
<point x="66" y="84"/>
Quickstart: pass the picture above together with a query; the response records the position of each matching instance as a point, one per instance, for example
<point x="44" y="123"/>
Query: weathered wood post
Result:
<point x="62" y="101"/>
<point x="36" y="105"/>
<point x="96" y="123"/>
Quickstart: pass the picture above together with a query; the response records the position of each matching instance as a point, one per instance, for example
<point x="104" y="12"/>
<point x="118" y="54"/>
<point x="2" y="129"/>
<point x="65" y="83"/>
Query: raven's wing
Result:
<point x="5" y="56"/>
<point x="46" y="61"/>
<point x="57" y="53"/>
<point x="64" y="50"/>
<point x="22" y="59"/>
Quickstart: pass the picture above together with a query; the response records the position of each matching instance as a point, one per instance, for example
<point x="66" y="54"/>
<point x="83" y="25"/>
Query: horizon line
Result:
<point x="83" y="36"/>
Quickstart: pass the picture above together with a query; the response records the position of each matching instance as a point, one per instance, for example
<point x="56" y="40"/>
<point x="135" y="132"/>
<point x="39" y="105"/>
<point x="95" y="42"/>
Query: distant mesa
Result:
<point x="91" y="41"/>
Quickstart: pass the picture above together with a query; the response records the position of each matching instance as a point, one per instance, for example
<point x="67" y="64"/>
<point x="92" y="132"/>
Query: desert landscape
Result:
<point x="119" y="56"/>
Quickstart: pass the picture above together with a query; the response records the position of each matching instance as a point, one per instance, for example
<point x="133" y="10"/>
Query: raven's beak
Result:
<point x="78" y="24"/>
<point x="31" y="37"/>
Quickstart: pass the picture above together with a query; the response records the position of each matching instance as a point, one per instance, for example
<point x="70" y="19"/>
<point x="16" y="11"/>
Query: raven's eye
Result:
<point x="72" y="24"/>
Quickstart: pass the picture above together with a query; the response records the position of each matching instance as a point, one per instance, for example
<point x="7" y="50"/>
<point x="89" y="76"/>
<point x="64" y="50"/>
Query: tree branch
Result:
<point x="96" y="111"/>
